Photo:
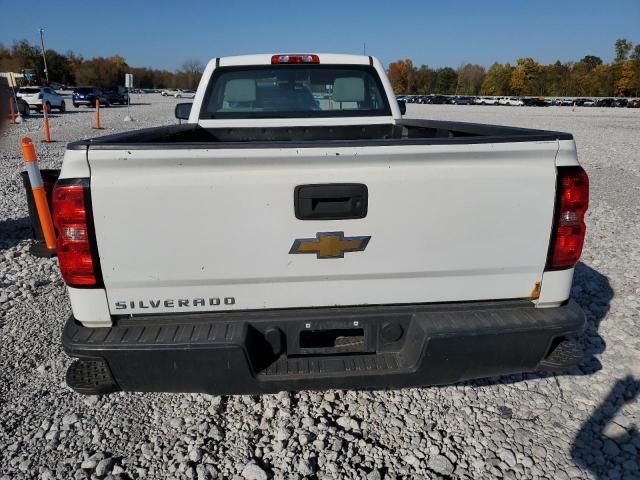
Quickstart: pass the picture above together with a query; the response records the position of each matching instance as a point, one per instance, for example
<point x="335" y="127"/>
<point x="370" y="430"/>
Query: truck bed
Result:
<point x="407" y="132"/>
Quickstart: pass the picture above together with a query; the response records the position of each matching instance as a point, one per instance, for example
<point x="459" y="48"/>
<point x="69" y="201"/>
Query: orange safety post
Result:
<point x="47" y="132"/>
<point x="39" y="194"/>
<point x="12" y="112"/>
<point x="98" y="127"/>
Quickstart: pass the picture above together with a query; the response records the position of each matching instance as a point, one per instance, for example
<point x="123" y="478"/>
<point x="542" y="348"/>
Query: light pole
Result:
<point x="44" y="57"/>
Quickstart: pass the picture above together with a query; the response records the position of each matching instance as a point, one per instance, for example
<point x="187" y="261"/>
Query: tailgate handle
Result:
<point x="331" y="201"/>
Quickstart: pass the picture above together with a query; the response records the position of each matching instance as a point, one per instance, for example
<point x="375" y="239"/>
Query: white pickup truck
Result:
<point x="298" y="233"/>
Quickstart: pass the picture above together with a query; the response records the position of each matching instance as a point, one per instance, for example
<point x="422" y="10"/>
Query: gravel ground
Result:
<point x="580" y="425"/>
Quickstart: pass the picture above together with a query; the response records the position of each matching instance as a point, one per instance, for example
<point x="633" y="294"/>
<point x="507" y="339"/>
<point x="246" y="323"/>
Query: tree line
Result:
<point x="72" y="69"/>
<point x="589" y="76"/>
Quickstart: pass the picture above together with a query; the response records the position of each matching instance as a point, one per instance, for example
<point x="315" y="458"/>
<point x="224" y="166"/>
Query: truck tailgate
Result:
<point x="204" y="229"/>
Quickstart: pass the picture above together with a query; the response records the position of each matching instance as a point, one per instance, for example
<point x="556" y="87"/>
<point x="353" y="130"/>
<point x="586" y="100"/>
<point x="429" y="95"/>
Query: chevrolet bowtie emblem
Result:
<point x="329" y="245"/>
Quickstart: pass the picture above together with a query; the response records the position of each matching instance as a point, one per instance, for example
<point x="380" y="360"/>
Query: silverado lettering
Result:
<point x="170" y="303"/>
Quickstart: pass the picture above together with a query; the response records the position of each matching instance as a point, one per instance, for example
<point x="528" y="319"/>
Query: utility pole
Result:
<point x="44" y="57"/>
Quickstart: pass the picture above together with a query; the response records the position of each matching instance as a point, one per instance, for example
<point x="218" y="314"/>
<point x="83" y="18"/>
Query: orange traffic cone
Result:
<point x="39" y="193"/>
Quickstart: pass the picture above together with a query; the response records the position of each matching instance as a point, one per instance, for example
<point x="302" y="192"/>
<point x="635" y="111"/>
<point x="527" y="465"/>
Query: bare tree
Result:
<point x="191" y="71"/>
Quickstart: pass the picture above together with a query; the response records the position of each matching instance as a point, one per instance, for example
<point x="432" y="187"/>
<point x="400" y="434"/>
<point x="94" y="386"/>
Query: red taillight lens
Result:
<point x="74" y="237"/>
<point x="572" y="201"/>
<point x="288" y="58"/>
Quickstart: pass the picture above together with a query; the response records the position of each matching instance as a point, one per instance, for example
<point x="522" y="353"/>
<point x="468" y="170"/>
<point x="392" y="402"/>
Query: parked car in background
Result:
<point x="605" y="102"/>
<point x="438" y="99"/>
<point x="620" y="102"/>
<point x="185" y="94"/>
<point x="57" y="86"/>
<point x="461" y="101"/>
<point x="557" y="102"/>
<point x="116" y="96"/>
<point x="37" y="97"/>
<point x="485" y="101"/>
<point x="88" y="96"/>
<point x="633" y="103"/>
<point x="169" y="92"/>
<point x="584" y="102"/>
<point x="535" y="102"/>
<point x="511" y="101"/>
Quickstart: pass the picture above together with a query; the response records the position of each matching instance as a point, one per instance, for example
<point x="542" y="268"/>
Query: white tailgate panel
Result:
<point x="447" y="223"/>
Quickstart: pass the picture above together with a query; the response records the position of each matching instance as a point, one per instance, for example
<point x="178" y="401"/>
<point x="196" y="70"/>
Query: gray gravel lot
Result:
<point x="580" y="425"/>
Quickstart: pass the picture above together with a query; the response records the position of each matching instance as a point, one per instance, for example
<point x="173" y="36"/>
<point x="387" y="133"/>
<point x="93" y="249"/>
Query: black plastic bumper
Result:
<point x="269" y="351"/>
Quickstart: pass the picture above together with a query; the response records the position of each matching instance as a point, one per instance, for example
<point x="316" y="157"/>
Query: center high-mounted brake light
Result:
<point x="298" y="58"/>
<point x="572" y="201"/>
<point x="78" y="264"/>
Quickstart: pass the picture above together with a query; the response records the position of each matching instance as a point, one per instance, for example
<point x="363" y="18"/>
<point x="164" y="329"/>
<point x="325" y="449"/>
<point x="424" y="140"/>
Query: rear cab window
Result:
<point x="277" y="91"/>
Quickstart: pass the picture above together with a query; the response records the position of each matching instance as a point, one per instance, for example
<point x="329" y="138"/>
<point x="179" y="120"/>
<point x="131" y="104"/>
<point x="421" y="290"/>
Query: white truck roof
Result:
<point x="265" y="59"/>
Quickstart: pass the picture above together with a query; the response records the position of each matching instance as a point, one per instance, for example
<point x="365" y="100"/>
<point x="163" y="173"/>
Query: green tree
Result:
<point x="584" y="81"/>
<point x="144" y="77"/>
<point x="470" y="79"/>
<point x="591" y="61"/>
<point x="446" y="81"/>
<point x="59" y="68"/>
<point x="526" y="78"/>
<point x="423" y="80"/>
<point x="604" y="81"/>
<point x="497" y="80"/>
<point x="635" y="55"/>
<point x="25" y="55"/>
<point x="623" y="47"/>
<point x="558" y="77"/>
<point x="102" y="72"/>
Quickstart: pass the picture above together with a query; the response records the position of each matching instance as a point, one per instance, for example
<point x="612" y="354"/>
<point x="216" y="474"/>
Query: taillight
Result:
<point x="304" y="58"/>
<point x="75" y="237"/>
<point x="572" y="201"/>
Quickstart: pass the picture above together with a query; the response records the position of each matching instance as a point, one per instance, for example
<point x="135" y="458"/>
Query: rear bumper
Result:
<point x="261" y="352"/>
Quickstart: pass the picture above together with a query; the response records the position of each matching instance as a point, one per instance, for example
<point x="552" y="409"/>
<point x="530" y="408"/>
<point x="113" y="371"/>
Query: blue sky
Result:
<point x="163" y="34"/>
